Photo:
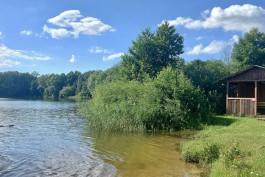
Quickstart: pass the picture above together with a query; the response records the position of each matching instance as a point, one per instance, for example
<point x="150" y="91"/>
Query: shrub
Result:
<point x="168" y="102"/>
<point x="116" y="106"/>
<point x="204" y="153"/>
<point x="67" y="91"/>
<point x="191" y="101"/>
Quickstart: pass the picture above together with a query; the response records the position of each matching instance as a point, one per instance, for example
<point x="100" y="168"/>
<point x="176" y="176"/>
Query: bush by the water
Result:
<point x="168" y="102"/>
<point x="203" y="153"/>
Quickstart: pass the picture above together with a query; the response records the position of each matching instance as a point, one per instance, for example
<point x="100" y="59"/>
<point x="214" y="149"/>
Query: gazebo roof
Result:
<point x="251" y="73"/>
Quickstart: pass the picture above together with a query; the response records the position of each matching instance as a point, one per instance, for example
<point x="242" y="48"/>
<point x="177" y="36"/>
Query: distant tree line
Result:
<point x="152" y="88"/>
<point x="52" y="86"/>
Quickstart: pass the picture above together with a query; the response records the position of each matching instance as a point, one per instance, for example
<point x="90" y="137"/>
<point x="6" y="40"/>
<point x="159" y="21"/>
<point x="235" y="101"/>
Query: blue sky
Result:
<point x="60" y="36"/>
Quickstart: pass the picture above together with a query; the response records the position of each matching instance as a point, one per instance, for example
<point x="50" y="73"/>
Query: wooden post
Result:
<point x="237" y="89"/>
<point x="256" y="98"/>
<point x="240" y="107"/>
<point x="227" y="95"/>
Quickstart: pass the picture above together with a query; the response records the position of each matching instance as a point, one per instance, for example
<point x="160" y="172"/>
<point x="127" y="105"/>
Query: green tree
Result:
<point x="114" y="73"/>
<point x="67" y="91"/>
<point x="96" y="78"/>
<point x="204" y="74"/>
<point x="15" y="84"/>
<point x="151" y="52"/>
<point x="42" y="83"/>
<point x="35" y="74"/>
<point x="81" y="86"/>
<point x="250" y="50"/>
<point x="34" y="88"/>
<point x="55" y="83"/>
<point x="182" y="102"/>
<point x="71" y="78"/>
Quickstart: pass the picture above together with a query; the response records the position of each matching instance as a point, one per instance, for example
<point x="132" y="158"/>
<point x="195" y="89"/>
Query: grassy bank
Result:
<point x="231" y="146"/>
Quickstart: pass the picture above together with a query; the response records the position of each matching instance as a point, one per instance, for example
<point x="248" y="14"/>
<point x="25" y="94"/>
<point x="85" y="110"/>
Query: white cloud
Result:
<point x="97" y="49"/>
<point x="8" y="63"/>
<point x="2" y="36"/>
<point x="72" y="59"/>
<point x="7" y="56"/>
<point x="205" y="13"/>
<point x="65" y="18"/>
<point x="234" y="18"/>
<point x="56" y="33"/>
<point x="200" y="38"/>
<point x="26" y="32"/>
<point x="212" y="48"/>
<point x="29" y="33"/>
<point x="72" y="23"/>
<point x="179" y="21"/>
<point x="235" y="39"/>
<point x="113" y="56"/>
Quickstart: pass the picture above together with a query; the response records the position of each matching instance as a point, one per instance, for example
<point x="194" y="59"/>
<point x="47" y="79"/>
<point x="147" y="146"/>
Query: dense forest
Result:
<point x="52" y="86"/>
<point x="152" y="88"/>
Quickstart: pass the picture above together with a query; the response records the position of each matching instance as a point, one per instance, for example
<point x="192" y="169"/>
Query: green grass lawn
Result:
<point x="229" y="146"/>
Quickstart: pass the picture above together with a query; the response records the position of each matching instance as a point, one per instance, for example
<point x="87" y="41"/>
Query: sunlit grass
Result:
<point x="230" y="146"/>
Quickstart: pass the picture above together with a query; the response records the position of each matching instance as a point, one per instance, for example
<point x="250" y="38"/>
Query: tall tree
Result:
<point x="151" y="52"/>
<point x="250" y="50"/>
<point x="71" y="78"/>
<point x="204" y="74"/>
<point x="55" y="83"/>
<point x="97" y="77"/>
<point x="15" y="84"/>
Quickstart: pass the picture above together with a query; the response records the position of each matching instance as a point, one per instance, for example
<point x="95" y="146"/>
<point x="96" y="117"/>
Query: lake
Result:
<point x="48" y="138"/>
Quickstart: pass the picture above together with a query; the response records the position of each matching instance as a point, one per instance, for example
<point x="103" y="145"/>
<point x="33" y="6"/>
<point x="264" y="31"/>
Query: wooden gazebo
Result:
<point x="245" y="93"/>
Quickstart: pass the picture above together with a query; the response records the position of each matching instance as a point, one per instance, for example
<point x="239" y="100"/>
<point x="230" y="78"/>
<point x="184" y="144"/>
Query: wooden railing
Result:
<point x="241" y="106"/>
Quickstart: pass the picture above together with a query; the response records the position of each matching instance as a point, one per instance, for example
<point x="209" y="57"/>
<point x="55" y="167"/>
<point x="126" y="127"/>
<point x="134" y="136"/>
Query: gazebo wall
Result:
<point x="261" y="91"/>
<point x="250" y="93"/>
<point x="241" y="106"/>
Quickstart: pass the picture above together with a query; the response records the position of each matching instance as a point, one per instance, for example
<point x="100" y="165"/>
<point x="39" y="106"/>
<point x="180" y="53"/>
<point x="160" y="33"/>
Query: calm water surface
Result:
<point x="50" y="139"/>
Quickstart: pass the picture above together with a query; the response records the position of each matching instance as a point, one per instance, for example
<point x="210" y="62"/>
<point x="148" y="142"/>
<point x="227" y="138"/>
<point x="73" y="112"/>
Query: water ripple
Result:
<point x="50" y="139"/>
<point x="46" y="140"/>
